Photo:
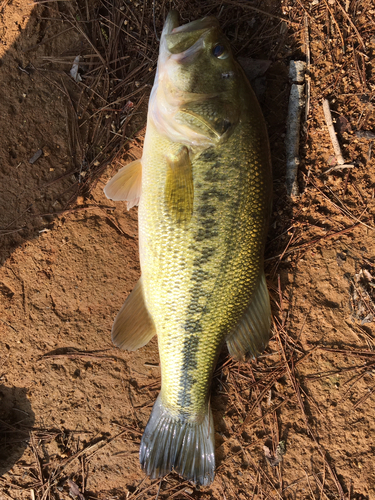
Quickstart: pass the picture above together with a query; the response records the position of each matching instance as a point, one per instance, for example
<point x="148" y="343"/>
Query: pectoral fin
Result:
<point x="253" y="331"/>
<point x="179" y="188"/>
<point x="126" y="184"/>
<point x="133" y="326"/>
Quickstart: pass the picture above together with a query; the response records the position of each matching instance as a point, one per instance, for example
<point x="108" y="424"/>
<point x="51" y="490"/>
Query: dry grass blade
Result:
<point x="364" y="398"/>
<point x="246" y="5"/>
<point x="293" y="379"/>
<point x="346" y="15"/>
<point x="3" y="4"/>
<point x="342" y="208"/>
<point x="116" y="77"/>
<point x="336" y="23"/>
<point x="34" y="446"/>
<point x="312" y="243"/>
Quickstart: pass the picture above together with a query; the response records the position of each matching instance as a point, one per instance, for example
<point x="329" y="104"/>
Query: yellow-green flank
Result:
<point x="203" y="186"/>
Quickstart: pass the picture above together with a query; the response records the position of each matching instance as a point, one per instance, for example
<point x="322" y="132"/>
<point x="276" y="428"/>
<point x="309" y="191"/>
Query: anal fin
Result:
<point x="251" y="335"/>
<point x="133" y="326"/>
<point x="126" y="184"/>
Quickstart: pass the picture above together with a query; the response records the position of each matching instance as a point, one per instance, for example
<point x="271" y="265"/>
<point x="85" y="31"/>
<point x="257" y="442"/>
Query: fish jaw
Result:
<point x="166" y="101"/>
<point x="174" y="95"/>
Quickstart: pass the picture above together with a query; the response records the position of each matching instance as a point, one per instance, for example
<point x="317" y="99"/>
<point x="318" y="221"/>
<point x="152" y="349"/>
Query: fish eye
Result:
<point x="220" y="51"/>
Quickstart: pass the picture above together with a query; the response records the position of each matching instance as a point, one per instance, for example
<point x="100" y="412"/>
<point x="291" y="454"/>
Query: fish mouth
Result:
<point x="178" y="39"/>
<point x="174" y="90"/>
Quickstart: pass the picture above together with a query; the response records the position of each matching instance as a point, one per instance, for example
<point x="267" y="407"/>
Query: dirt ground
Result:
<point x="73" y="407"/>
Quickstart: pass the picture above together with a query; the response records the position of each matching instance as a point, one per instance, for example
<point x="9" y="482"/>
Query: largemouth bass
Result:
<point x="203" y="186"/>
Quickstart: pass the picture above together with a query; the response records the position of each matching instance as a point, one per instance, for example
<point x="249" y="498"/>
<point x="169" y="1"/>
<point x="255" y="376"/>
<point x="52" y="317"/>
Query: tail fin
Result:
<point x="170" y="442"/>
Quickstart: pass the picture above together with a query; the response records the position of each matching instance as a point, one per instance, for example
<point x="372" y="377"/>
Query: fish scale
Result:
<point x="236" y="206"/>
<point x="204" y="193"/>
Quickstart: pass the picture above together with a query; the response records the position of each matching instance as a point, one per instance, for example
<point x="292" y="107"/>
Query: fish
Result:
<point x="203" y="188"/>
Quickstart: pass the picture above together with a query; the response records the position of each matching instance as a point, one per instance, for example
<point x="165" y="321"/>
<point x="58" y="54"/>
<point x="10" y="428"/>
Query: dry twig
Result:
<point x="335" y="143"/>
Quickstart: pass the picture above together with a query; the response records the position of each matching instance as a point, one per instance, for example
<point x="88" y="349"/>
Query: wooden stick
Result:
<point x="332" y="133"/>
<point x="296" y="103"/>
<point x="308" y="68"/>
<point x="335" y="143"/>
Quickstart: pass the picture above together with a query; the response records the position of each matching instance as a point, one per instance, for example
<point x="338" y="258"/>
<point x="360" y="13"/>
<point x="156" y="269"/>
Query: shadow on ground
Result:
<point x="16" y="422"/>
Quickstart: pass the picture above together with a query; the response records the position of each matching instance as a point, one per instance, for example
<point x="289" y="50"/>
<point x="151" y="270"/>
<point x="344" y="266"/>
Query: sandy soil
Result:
<point x="73" y="408"/>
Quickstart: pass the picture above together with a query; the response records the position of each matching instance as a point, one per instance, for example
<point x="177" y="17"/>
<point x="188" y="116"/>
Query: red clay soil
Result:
<point x="72" y="406"/>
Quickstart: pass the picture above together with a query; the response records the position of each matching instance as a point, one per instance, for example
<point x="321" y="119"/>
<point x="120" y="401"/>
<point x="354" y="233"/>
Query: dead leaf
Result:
<point x="36" y="156"/>
<point x="74" y="71"/>
<point x="365" y="134"/>
<point x="74" y="490"/>
<point x="362" y="296"/>
<point x="272" y="459"/>
<point x="342" y="125"/>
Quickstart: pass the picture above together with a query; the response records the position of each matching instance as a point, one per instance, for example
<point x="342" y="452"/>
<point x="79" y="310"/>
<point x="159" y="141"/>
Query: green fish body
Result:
<point x="203" y="186"/>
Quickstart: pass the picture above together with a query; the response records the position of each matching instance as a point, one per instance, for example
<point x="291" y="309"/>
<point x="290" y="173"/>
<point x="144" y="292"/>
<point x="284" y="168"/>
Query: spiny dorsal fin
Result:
<point x="133" y="326"/>
<point x="179" y="188"/>
<point x="126" y="184"/>
<point x="252" y="333"/>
